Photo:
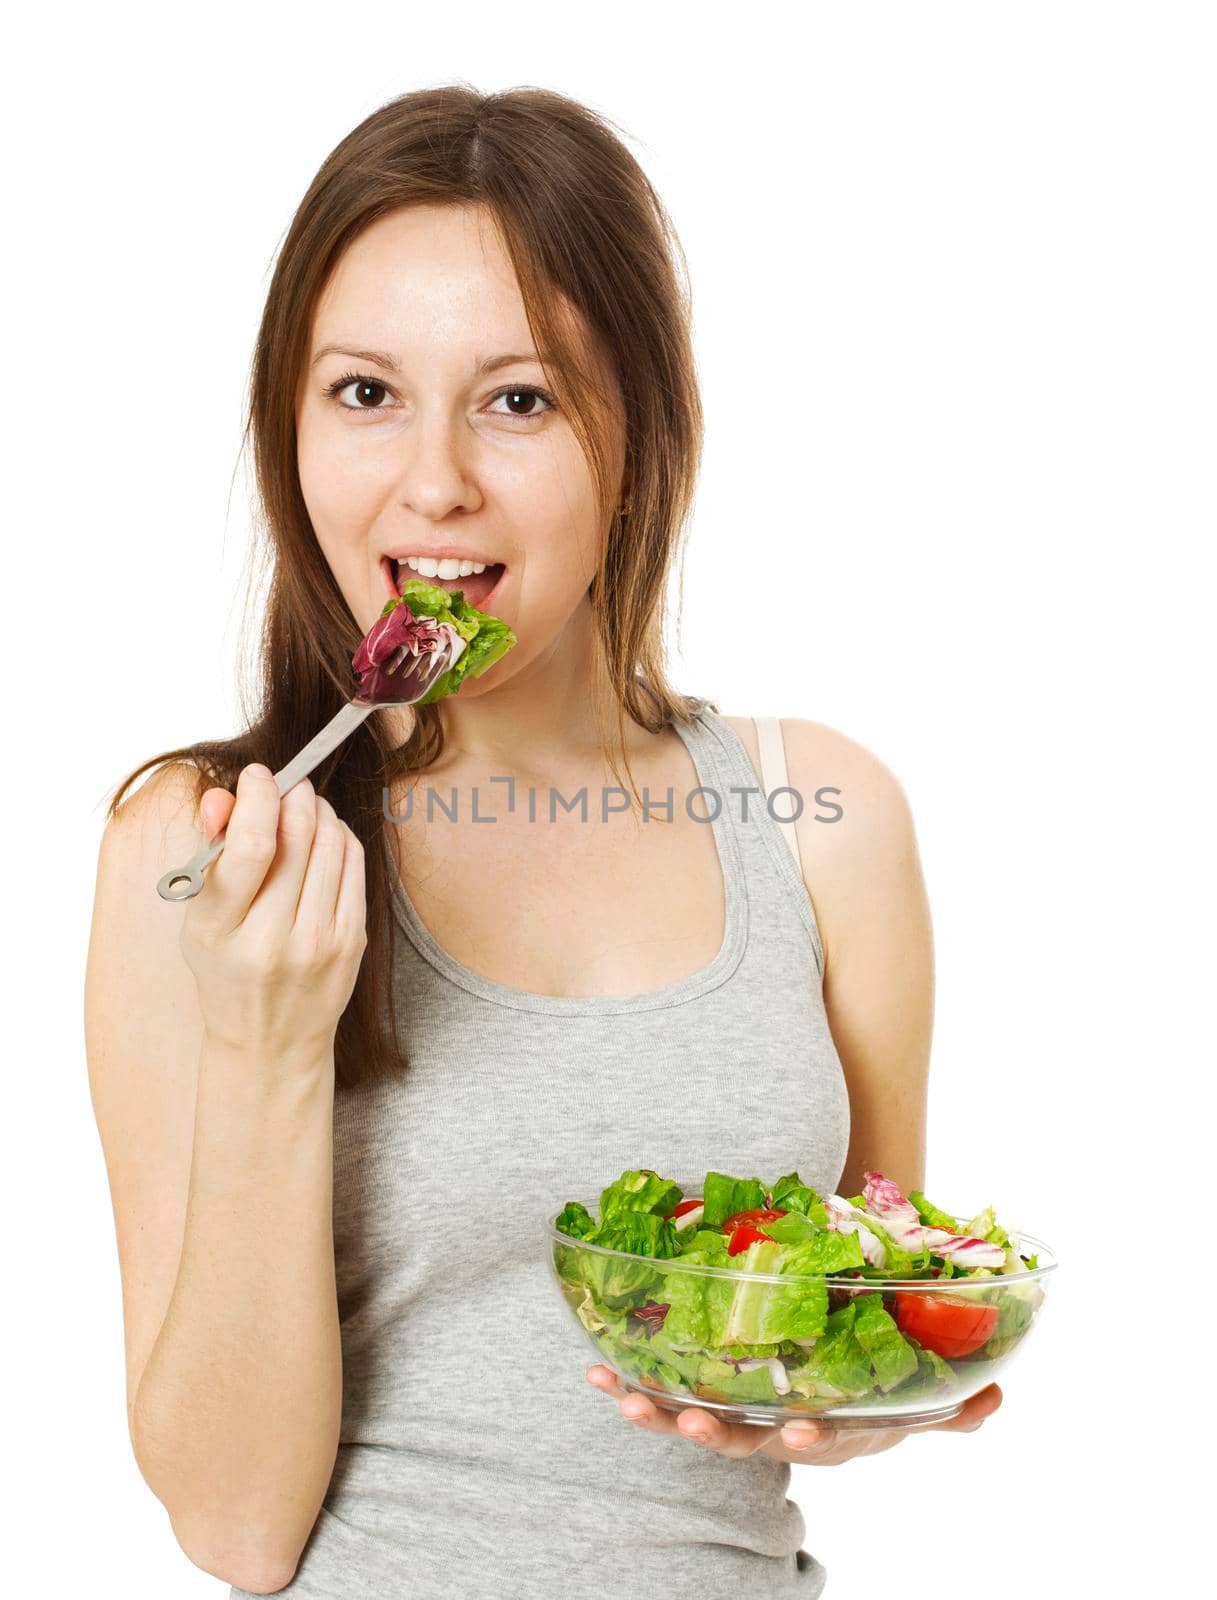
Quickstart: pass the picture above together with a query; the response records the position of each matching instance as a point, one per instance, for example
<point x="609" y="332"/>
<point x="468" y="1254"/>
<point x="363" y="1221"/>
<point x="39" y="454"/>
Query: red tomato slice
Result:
<point x="757" y="1215"/>
<point x="743" y="1236"/>
<point x="685" y="1205"/>
<point x="950" y="1328"/>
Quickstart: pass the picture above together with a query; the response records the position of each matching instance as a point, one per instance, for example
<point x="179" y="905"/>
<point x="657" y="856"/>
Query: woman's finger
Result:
<point x="215" y="808"/>
<point x="816" y="1443"/>
<point x="241" y="869"/>
<point x="274" y="910"/>
<point x="351" y="904"/>
<point x="319" y="891"/>
<point x="975" y="1409"/>
<point x="698" y="1426"/>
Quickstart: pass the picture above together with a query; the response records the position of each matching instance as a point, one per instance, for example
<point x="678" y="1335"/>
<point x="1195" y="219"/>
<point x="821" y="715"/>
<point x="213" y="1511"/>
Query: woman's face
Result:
<point x="419" y="447"/>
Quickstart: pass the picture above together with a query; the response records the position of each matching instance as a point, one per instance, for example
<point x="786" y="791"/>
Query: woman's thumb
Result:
<point x="215" y="809"/>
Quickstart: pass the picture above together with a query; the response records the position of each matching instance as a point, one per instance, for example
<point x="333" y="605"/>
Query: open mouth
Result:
<point x="477" y="588"/>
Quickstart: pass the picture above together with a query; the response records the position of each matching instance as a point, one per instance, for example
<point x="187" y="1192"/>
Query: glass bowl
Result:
<point x="863" y="1379"/>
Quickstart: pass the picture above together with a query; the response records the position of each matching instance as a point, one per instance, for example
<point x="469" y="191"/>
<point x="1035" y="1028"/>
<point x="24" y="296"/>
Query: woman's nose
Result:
<point x="435" y="472"/>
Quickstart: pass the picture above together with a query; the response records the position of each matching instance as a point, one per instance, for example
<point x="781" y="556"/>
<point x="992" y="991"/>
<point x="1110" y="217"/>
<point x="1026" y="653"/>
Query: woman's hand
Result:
<point x="276" y="940"/>
<point x="825" y="1445"/>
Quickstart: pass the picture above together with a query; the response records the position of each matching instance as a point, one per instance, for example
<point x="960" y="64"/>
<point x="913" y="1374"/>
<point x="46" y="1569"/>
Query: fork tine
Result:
<point x="439" y="661"/>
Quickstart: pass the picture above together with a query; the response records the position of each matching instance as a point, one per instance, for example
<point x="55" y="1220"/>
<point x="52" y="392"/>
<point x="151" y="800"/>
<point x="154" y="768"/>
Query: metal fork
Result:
<point x="183" y="883"/>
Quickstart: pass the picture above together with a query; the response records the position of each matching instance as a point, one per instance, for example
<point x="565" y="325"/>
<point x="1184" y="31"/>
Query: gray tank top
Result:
<point x="475" y="1459"/>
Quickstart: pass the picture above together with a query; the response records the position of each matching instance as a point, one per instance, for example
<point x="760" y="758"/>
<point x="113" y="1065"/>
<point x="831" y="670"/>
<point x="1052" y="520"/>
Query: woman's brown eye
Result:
<point x="528" y="394"/>
<point x="364" y="390"/>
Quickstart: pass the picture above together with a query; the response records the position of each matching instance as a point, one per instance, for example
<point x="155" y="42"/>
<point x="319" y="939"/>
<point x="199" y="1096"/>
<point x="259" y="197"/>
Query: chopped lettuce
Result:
<point x="809" y="1343"/>
<point x="486" y="638"/>
<point x="724" y="1196"/>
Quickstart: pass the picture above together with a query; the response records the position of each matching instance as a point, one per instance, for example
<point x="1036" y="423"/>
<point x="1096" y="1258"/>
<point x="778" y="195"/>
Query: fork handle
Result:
<point x="183" y="883"/>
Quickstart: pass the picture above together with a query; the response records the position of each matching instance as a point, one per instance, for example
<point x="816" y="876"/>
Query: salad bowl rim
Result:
<point x="839" y="1280"/>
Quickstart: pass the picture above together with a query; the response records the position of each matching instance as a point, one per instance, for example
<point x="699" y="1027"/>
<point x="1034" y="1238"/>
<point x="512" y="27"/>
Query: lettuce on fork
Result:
<point x="416" y="621"/>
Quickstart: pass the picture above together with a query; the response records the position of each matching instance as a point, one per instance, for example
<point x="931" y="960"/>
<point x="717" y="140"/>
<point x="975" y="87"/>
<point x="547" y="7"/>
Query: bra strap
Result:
<point x="774" y="776"/>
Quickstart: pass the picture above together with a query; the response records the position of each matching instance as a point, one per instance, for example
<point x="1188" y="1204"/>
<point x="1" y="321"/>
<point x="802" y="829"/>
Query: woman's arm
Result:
<point x="220" y="1172"/>
<point x="863" y="874"/>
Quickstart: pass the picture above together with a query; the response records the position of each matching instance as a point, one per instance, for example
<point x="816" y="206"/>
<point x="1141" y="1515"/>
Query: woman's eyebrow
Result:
<point x="381" y="358"/>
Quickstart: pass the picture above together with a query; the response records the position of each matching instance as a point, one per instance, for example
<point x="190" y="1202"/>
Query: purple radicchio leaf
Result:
<point x="396" y="652"/>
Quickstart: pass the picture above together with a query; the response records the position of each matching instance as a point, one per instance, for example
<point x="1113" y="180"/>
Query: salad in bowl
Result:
<point x="762" y="1304"/>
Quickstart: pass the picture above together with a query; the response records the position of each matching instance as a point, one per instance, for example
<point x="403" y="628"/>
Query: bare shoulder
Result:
<point x="856" y="835"/>
<point x="147" y="833"/>
<point x="834" y="774"/>
<point x="167" y="801"/>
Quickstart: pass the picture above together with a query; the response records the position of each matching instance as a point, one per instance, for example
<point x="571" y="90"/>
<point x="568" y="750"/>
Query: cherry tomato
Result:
<point x="744" y="1235"/>
<point x="758" y="1215"/>
<point x="950" y="1328"/>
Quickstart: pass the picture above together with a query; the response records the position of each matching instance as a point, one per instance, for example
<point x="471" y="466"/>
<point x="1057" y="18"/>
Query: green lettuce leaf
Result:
<point x="486" y="638"/>
<point x="891" y="1354"/>
<point x="933" y="1216"/>
<point x="724" y="1196"/>
<point x="640" y="1190"/>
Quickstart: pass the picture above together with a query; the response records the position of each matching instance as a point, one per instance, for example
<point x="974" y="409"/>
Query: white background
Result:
<point x="953" y="272"/>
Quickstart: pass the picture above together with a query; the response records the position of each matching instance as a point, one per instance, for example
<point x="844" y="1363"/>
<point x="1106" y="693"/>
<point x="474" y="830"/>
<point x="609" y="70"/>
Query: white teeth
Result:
<point x="448" y="568"/>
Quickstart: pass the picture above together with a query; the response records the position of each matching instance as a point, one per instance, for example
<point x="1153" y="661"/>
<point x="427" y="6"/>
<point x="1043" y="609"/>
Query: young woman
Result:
<point x="340" y="1090"/>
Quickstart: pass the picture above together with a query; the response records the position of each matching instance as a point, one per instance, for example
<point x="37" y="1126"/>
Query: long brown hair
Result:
<point x="576" y="213"/>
